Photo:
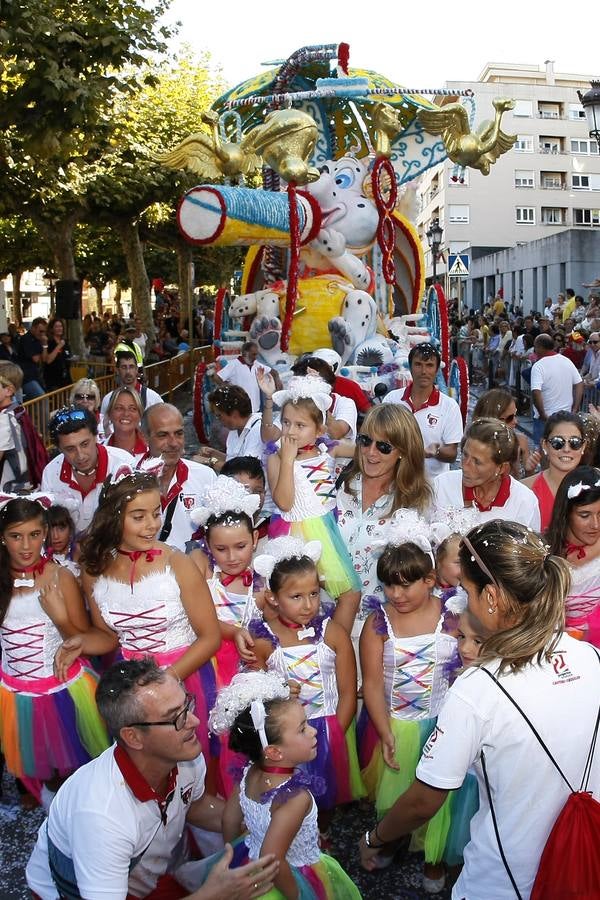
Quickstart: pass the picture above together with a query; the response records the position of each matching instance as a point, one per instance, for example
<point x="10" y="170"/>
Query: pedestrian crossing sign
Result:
<point x="458" y="265"/>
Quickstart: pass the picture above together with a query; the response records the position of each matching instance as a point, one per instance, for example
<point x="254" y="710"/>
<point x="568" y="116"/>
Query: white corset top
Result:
<point x="149" y="619"/>
<point x="29" y="638"/>
<point x="314" y="488"/>
<point x="416" y="672"/>
<point x="584" y="596"/>
<point x="303" y="850"/>
<point x="312" y="666"/>
<point x="233" y="609"/>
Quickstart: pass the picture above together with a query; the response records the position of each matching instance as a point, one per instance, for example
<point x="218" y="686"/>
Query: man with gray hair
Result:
<point x="117" y="826"/>
<point x="182" y="481"/>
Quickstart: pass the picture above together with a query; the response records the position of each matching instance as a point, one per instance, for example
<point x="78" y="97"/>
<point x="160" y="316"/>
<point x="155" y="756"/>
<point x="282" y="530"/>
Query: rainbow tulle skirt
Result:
<point x="336" y="763"/>
<point x="226" y="664"/>
<point x="335" y="567"/>
<point x="464" y="803"/>
<point x="384" y="785"/>
<point x="323" y="880"/>
<point x="50" y="727"/>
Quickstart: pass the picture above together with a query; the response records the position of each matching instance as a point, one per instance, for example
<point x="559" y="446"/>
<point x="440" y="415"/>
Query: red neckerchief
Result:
<point x="134" y="555"/>
<point x="181" y="474"/>
<point x="140" y="445"/>
<point x="499" y="500"/>
<point x="138" y="785"/>
<point x="246" y="576"/>
<point x="579" y="549"/>
<point x="37" y="568"/>
<point x="66" y="472"/>
<point x="295" y="626"/>
<point x="432" y="400"/>
<point x="306" y="448"/>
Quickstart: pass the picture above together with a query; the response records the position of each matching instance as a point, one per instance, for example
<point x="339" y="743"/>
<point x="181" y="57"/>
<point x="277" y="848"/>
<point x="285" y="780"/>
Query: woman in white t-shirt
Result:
<point x="516" y="592"/>
<point x="484" y="482"/>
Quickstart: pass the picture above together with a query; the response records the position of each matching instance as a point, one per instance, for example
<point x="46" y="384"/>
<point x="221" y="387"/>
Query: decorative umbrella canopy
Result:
<point x="344" y="104"/>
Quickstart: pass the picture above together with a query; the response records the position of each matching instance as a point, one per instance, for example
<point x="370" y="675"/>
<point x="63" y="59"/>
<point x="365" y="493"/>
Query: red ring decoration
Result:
<point x="385" y="208"/>
<point x="292" y="280"/>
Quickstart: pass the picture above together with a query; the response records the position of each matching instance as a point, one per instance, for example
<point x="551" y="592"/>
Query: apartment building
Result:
<point x="548" y="182"/>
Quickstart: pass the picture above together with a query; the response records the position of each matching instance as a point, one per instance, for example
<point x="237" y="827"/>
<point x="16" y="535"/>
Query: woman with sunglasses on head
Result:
<point x="86" y="395"/>
<point x="386" y="474"/>
<point x="484" y="482"/>
<point x="82" y="465"/>
<point x="498" y="403"/>
<point x="515" y="591"/>
<point x="563" y="446"/>
<point x="574" y="534"/>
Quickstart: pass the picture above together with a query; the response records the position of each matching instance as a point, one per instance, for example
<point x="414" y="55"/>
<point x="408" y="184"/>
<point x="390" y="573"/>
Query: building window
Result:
<point x="589" y="217"/>
<point x="525" y="215"/>
<point x="524" y="178"/>
<point x="576" y="111"/>
<point x="553" y="215"/>
<point x="583" y="146"/>
<point x="549" y="110"/>
<point x="458" y="215"/>
<point x="523" y="108"/>
<point x="524" y="143"/>
<point x="551" y="180"/>
<point x="581" y="182"/>
<point x="550" y="145"/>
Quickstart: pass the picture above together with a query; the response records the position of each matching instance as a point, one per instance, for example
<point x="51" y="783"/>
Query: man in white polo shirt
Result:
<point x="232" y="407"/>
<point x="438" y="416"/>
<point x="556" y="384"/>
<point x="82" y="466"/>
<point x="241" y="370"/>
<point x="183" y="481"/>
<point x="116" y="827"/>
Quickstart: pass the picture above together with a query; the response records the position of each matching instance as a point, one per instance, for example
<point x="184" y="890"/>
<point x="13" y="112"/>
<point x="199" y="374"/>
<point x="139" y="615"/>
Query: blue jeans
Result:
<point x="33" y="389"/>
<point x="538" y="430"/>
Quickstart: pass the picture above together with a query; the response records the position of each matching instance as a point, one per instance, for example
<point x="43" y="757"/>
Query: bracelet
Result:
<point x="368" y="840"/>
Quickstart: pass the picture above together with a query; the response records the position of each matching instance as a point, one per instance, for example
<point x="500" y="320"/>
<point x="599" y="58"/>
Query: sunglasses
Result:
<point x="557" y="442"/>
<point x="425" y="351"/>
<point x="84" y="397"/>
<point x="363" y="440"/>
<point x="593" y="342"/>
<point x="508" y="420"/>
<point x="64" y="416"/>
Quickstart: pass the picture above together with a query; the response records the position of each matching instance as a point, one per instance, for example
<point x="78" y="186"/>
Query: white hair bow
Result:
<point x="247" y="690"/>
<point x="285" y="548"/>
<point x="458" y="603"/>
<point x="301" y="387"/>
<point x="225" y="495"/>
<point x="576" y="489"/>
<point x="405" y="526"/>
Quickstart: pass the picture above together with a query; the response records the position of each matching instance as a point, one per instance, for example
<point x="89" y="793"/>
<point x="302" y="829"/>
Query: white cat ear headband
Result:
<point x="302" y="387"/>
<point x="285" y="548"/>
<point x="45" y="500"/>
<point x="226" y="495"/>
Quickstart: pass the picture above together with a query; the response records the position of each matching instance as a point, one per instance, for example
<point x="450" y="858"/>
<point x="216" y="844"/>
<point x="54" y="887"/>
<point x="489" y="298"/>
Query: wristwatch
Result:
<point x="368" y="841"/>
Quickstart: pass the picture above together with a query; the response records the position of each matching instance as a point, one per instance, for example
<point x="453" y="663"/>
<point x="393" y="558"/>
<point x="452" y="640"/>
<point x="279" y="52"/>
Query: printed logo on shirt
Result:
<point x="561" y="668"/>
<point x="435" y="734"/>
<point x="189" y="501"/>
<point x="186" y="794"/>
<point x="432" y="420"/>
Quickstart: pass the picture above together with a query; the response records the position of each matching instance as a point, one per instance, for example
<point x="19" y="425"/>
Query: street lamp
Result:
<point x="434" y="237"/>
<point x="591" y="104"/>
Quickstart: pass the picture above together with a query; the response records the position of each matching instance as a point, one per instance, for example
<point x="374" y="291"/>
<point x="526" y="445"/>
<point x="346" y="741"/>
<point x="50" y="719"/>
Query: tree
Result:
<point x="99" y="258"/>
<point x="21" y="249"/>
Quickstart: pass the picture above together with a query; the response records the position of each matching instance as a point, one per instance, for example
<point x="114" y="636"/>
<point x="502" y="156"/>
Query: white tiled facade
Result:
<point x="548" y="182"/>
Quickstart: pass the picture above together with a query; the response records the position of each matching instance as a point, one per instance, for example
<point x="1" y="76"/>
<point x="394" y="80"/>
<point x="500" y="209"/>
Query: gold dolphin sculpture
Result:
<point x="479" y="149"/>
<point x="208" y="156"/>
<point x="286" y="141"/>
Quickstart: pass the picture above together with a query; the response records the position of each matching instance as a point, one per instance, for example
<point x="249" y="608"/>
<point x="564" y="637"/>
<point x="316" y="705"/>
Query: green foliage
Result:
<point x="99" y="256"/>
<point x="21" y="246"/>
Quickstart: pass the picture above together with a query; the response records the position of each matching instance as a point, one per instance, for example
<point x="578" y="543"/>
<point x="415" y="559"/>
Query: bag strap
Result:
<point x="590" y="756"/>
<point x="496" y="831"/>
<point x="168" y="522"/>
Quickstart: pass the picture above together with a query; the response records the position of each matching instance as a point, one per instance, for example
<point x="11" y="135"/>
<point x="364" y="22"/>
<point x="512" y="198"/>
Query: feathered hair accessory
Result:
<point x="576" y="489"/>
<point x="303" y="387"/>
<point x="45" y="500"/>
<point x="247" y="690"/>
<point x="225" y="495"/>
<point x="453" y="520"/>
<point x="459" y="601"/>
<point x="285" y="548"/>
<point x="405" y="526"/>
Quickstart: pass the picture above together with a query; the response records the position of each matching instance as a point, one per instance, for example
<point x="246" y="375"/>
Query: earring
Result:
<point x="491" y="611"/>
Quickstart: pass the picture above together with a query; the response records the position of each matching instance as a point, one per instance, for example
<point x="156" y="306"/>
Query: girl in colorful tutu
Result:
<point x="314" y="654"/>
<point x="464" y="802"/>
<point x="48" y="728"/>
<point x="406" y="659"/>
<point x="302" y="481"/>
<point x="274" y="800"/>
<point x="225" y="513"/>
<point x="143" y="595"/>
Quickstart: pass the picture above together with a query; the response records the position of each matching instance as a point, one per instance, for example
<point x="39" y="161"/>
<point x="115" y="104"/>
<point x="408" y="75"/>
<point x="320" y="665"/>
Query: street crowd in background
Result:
<point x="320" y="609"/>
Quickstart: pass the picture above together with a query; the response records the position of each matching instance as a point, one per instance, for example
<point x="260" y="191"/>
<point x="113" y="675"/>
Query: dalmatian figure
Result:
<point x="354" y="332"/>
<point x="260" y="303"/>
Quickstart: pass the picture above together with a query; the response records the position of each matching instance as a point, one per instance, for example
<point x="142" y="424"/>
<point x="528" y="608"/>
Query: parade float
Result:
<point x="311" y="167"/>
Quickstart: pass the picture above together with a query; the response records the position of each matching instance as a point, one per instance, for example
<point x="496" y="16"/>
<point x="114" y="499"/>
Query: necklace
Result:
<point x="295" y="626"/>
<point x="276" y="770"/>
<point x="85" y="474"/>
<point x="36" y="569"/>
